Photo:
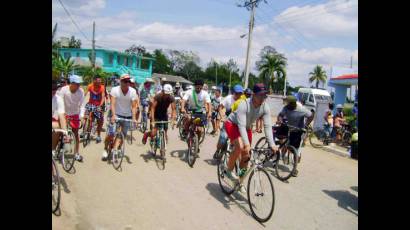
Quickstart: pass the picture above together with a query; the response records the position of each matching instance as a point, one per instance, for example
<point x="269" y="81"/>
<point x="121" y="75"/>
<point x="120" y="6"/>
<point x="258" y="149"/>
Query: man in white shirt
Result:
<point x="199" y="102"/>
<point x="57" y="114"/>
<point x="73" y="97"/>
<point x="124" y="101"/>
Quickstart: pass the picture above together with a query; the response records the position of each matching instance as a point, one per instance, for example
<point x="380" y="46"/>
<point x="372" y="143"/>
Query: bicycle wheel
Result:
<point x="117" y="158"/>
<point x="55" y="188"/>
<point x="129" y="138"/>
<point x="144" y="123"/>
<point x="86" y="134"/>
<point x="162" y="150"/>
<point x="192" y="149"/>
<point x="347" y="136"/>
<point x="261" y="195"/>
<point x="68" y="152"/>
<point x="286" y="163"/>
<point x="316" y="138"/>
<point x="181" y="129"/>
<point x="262" y="143"/>
<point x="227" y="186"/>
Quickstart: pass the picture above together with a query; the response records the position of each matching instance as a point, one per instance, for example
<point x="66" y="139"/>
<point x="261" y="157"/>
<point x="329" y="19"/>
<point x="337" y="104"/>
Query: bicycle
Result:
<point x="320" y="137"/>
<point x="55" y="187"/>
<point x="64" y="150"/>
<point x="90" y="124"/>
<point x="116" y="157"/>
<point x="285" y="159"/>
<point x="192" y="139"/>
<point x="159" y="141"/>
<point x="255" y="189"/>
<point x="144" y="117"/>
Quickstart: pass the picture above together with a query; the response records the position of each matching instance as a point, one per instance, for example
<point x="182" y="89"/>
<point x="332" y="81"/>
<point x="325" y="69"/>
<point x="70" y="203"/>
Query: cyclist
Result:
<point x="338" y="122"/>
<point x="178" y="90"/>
<point x="159" y="111"/>
<point x="230" y="103"/>
<point x="124" y="102"/>
<point x="239" y="125"/>
<point x="198" y="102"/>
<point x="97" y="98"/>
<point x="215" y="102"/>
<point x="328" y="125"/>
<point x="296" y="115"/>
<point x="146" y="95"/>
<point x="57" y="114"/>
<point x="73" y="97"/>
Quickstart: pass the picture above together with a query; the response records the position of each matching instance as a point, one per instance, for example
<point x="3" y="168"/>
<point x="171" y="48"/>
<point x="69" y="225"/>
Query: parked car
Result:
<point x="309" y="97"/>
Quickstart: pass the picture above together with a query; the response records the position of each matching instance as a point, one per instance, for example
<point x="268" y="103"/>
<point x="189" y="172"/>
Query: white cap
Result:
<point x="132" y="80"/>
<point x="76" y="79"/>
<point x="167" y="89"/>
<point x="213" y="87"/>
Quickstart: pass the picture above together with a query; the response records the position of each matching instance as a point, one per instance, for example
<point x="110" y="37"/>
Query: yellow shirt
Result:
<point x="237" y="102"/>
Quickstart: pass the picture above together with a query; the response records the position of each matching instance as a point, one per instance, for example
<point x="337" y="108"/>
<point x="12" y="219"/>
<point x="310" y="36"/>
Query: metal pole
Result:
<point x="216" y="74"/>
<point x="93" y="49"/>
<point x="284" y="89"/>
<point x="248" y="50"/>
<point x="230" y="74"/>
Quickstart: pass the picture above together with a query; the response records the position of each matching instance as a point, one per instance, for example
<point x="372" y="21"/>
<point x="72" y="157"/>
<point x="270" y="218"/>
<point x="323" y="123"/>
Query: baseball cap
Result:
<point x="259" y="88"/>
<point x="76" y="79"/>
<point x="124" y="76"/>
<point x="167" y="89"/>
<point x="238" y="89"/>
<point x="291" y="99"/>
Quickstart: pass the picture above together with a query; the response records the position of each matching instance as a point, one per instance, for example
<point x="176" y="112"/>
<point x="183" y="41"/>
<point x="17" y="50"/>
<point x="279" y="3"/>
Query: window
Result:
<point x="110" y="59"/>
<point x="311" y="98"/>
<point x="304" y="97"/>
<point x="67" y="55"/>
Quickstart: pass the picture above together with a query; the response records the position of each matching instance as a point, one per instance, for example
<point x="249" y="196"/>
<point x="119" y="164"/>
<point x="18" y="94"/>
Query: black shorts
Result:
<point x="161" y="125"/>
<point x="295" y="139"/>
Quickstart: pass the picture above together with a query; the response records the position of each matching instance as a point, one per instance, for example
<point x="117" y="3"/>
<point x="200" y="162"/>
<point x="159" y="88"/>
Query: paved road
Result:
<point x="324" y="196"/>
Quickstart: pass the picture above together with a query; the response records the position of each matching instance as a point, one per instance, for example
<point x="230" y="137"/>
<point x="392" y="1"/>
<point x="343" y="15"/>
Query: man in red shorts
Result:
<point x="97" y="99"/>
<point x="238" y="127"/>
<point x="73" y="96"/>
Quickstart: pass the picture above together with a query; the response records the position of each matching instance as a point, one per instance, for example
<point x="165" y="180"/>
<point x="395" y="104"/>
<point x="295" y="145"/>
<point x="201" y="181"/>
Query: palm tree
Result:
<point x="64" y="66"/>
<point x="270" y="65"/>
<point x="318" y="75"/>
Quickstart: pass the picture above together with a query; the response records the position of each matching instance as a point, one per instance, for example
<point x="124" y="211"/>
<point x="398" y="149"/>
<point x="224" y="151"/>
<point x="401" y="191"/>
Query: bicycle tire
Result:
<point x="221" y="174"/>
<point x="272" y="207"/>
<point x="162" y="150"/>
<point x="192" y="149"/>
<point x="129" y="138"/>
<point x="68" y="157"/>
<point x="289" y="157"/>
<point x="262" y="143"/>
<point x="117" y="158"/>
<point x="203" y="133"/>
<point x="86" y="134"/>
<point x="56" y="185"/>
<point x="181" y="129"/>
<point x="347" y="136"/>
<point x="315" y="140"/>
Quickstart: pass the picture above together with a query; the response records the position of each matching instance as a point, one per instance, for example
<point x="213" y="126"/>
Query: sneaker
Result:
<point x="144" y="138"/>
<point x="295" y="173"/>
<point x="104" y="155"/>
<point x="78" y="157"/>
<point x="217" y="155"/>
<point x="213" y="132"/>
<point x="231" y="175"/>
<point x="98" y="139"/>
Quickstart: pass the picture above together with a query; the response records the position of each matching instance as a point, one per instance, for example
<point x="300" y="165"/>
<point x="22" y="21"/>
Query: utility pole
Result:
<point x="248" y="50"/>
<point x="230" y="74"/>
<point x="93" y="49"/>
<point x="284" y="89"/>
<point x="216" y="74"/>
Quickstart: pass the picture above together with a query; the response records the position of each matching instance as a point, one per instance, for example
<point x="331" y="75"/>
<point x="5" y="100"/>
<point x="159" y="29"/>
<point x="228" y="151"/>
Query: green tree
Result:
<point x="162" y="64"/>
<point x="88" y="73"/>
<point x="63" y="66"/>
<point x="136" y="50"/>
<point x="74" y="43"/>
<point x="318" y="75"/>
<point x="272" y="64"/>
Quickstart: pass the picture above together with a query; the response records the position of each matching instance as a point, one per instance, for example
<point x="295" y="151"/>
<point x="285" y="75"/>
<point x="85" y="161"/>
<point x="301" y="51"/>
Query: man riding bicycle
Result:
<point x="239" y="128"/>
<point x="57" y="114"/>
<point x="73" y="97"/>
<point x="124" y="102"/>
<point x="159" y="112"/>
<point x="146" y="95"/>
<point x="215" y="102"/>
<point x="295" y="115"/>
<point x="97" y="98"/>
<point x="198" y="102"/>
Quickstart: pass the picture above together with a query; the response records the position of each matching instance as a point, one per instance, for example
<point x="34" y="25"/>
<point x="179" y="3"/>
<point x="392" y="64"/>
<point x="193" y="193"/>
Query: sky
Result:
<point x="307" y="32"/>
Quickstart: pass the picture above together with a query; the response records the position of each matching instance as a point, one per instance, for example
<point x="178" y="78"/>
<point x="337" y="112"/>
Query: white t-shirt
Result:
<point x="202" y="97"/>
<point x="123" y="103"/>
<point x="227" y="102"/>
<point x="57" y="106"/>
<point x="72" y="101"/>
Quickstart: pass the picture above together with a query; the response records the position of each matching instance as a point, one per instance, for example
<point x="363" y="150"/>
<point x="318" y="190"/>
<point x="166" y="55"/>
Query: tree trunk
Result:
<point x="317" y="84"/>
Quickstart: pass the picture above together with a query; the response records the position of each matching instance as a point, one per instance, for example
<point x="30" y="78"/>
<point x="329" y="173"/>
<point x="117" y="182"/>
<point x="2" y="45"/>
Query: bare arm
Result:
<point x="134" y="109"/>
<point x="174" y="111"/>
<point x="153" y="107"/>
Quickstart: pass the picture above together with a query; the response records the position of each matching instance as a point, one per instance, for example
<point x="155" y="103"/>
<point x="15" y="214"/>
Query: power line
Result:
<point x="72" y="20"/>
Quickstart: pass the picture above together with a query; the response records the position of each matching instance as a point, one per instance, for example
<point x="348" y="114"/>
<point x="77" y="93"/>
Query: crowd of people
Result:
<point x="237" y="112"/>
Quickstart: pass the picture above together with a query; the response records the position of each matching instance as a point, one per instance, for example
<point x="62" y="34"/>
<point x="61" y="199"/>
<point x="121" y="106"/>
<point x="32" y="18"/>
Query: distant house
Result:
<point x="112" y="62"/>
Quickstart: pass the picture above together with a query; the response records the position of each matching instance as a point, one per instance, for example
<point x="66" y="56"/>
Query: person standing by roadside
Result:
<point x="73" y="97"/>
<point x="215" y="102"/>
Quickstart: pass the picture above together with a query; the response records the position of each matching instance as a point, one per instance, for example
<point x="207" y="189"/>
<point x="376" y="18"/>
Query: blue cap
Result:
<point x="76" y="79"/>
<point x="238" y="89"/>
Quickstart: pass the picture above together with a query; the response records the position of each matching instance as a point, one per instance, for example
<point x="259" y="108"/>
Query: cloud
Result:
<point x="79" y="7"/>
<point x="334" y="19"/>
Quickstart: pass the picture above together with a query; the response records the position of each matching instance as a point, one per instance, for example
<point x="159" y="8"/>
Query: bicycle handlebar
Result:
<point x="123" y="119"/>
<point x="160" y="122"/>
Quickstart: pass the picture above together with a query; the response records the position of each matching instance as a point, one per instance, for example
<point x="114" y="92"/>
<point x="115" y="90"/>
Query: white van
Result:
<point x="309" y="97"/>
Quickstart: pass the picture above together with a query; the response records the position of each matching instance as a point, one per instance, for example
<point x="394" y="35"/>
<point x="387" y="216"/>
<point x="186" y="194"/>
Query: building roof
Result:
<point x="346" y="76"/>
<point x="171" y="78"/>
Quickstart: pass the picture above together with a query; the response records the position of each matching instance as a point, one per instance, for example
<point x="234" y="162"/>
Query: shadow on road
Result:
<point x="235" y="199"/>
<point x="127" y="158"/>
<point x="148" y="156"/>
<point x="273" y="172"/>
<point x="346" y="200"/>
<point x="64" y="184"/>
<point x="181" y="154"/>
<point x="212" y="162"/>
